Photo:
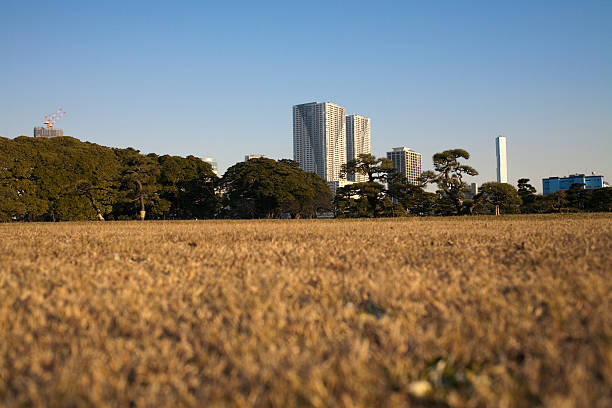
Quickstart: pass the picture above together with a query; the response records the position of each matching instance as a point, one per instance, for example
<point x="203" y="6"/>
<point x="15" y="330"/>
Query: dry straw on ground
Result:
<point x="492" y="311"/>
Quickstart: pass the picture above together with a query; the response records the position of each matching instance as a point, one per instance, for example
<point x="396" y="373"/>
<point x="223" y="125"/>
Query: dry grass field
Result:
<point x="465" y="312"/>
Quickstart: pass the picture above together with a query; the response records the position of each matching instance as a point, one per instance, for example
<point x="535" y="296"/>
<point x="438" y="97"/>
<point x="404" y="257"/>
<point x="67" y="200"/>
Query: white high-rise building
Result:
<point x="358" y="141"/>
<point x="502" y="162"/>
<point x="319" y="138"/>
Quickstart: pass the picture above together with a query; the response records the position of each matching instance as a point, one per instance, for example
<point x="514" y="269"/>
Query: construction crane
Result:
<point x="51" y="119"/>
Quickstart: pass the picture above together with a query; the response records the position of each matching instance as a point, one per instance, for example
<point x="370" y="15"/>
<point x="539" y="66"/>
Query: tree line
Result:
<point x="62" y="179"/>
<point x="389" y="194"/>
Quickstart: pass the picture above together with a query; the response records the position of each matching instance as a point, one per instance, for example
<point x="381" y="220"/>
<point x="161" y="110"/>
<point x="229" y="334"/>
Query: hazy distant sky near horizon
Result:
<point x="220" y="79"/>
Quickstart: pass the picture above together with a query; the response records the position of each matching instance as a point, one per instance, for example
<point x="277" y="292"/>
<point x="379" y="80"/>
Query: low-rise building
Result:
<point x="47" y="132"/>
<point x="552" y="184"/>
<point x="253" y="156"/>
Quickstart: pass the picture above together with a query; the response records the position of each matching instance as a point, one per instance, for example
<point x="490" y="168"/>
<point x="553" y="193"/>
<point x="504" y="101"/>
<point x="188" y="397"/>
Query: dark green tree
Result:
<point x="189" y="185"/>
<point x="444" y="205"/>
<point x="527" y="194"/>
<point x="264" y="188"/>
<point x="365" y="199"/>
<point x="377" y="170"/>
<point x="139" y="184"/>
<point x="360" y="200"/>
<point x="19" y="197"/>
<point x="41" y="176"/>
<point x="63" y="178"/>
<point x="578" y="197"/>
<point x="448" y="175"/>
<point x="413" y="198"/>
<point x="601" y="200"/>
<point x="100" y="197"/>
<point x="498" y="198"/>
<point x="554" y="202"/>
<point x="391" y="209"/>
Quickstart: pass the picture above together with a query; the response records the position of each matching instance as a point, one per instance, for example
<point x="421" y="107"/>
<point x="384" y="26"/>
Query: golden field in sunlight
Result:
<point x="467" y="312"/>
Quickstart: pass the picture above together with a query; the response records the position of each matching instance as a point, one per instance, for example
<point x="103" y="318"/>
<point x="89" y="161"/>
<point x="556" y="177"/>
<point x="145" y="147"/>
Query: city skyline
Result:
<point x="214" y="80"/>
<point x="501" y="169"/>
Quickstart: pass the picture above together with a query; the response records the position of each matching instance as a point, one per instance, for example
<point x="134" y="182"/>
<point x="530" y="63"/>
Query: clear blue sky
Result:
<point x="220" y="78"/>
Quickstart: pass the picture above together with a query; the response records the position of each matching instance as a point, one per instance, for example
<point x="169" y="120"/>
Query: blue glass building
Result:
<point x="552" y="184"/>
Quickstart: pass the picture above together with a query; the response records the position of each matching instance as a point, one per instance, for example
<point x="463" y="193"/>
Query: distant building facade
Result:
<point x="502" y="160"/>
<point x="253" y="156"/>
<point x="319" y="138"/>
<point x="407" y="162"/>
<point x="40" y="131"/>
<point x="473" y="191"/>
<point x="358" y="141"/>
<point x="552" y="184"/>
<point x="213" y="163"/>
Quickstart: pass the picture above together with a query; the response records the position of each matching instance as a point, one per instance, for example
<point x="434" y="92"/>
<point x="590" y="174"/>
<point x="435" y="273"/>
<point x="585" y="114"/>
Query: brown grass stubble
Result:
<point x="510" y="311"/>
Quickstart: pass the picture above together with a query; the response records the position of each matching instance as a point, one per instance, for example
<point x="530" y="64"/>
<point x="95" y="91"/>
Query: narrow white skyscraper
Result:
<point x="502" y="162"/>
<point x="358" y="141"/>
<point x="319" y="138"/>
